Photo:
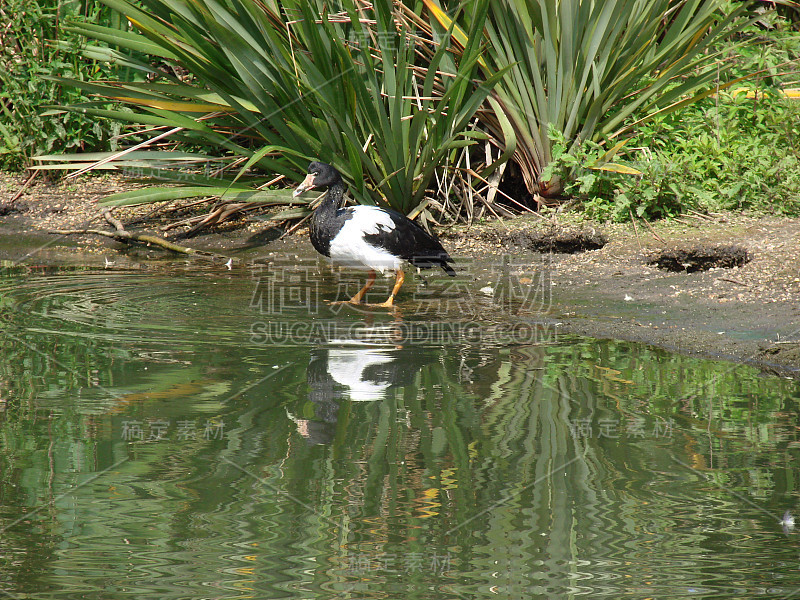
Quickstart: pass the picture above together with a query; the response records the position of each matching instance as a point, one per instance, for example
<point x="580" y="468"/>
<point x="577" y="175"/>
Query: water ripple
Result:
<point x="392" y="462"/>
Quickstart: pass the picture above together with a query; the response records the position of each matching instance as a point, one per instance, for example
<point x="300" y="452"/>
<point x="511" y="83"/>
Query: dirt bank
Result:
<point x="746" y="310"/>
<point x="749" y="312"/>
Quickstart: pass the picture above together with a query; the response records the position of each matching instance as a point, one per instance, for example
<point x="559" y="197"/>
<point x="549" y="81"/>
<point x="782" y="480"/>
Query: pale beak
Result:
<point x="306" y="185"/>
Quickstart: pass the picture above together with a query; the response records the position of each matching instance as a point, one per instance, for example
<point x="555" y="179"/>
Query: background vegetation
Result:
<point x="438" y="111"/>
<point x="34" y="46"/>
<point x="730" y="151"/>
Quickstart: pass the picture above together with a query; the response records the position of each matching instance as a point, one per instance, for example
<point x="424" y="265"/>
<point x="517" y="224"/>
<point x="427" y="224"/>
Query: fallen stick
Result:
<point x="736" y="281"/>
<point x="635" y="229"/>
<point x="126" y="236"/>
<point x="121" y="235"/>
<point x="653" y="231"/>
<point x="113" y="221"/>
<point x="25" y="185"/>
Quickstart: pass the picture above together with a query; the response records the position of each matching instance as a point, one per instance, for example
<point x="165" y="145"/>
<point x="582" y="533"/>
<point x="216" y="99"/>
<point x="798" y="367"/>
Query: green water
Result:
<point x="181" y="431"/>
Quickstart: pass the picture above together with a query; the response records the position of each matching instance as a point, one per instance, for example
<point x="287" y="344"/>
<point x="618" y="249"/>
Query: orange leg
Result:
<point x="360" y="295"/>
<point x="397" y="283"/>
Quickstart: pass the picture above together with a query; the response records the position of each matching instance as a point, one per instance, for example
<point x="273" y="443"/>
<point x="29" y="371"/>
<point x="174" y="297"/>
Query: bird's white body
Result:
<point x="349" y="248"/>
<point x="347" y="367"/>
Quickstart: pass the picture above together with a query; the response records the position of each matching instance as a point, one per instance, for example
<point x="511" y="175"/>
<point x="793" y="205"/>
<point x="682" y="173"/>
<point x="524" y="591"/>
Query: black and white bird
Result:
<point x="368" y="236"/>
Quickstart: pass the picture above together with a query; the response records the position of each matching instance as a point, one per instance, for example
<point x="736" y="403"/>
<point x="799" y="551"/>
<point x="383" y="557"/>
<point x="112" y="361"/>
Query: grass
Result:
<point x="730" y="153"/>
<point x="724" y="152"/>
<point x="34" y="46"/>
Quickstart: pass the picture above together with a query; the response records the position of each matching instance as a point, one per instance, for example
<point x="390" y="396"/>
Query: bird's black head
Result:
<point x="320" y="175"/>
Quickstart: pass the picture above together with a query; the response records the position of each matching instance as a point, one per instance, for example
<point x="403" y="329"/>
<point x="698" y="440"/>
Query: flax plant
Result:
<point x="592" y="70"/>
<point x="272" y="86"/>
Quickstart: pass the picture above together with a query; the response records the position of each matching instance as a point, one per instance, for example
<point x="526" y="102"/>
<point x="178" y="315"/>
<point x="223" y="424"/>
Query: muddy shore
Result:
<point x="745" y="308"/>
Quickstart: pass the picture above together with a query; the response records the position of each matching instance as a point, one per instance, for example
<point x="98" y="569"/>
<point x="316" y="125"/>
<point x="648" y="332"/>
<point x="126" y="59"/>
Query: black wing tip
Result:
<point x="434" y="260"/>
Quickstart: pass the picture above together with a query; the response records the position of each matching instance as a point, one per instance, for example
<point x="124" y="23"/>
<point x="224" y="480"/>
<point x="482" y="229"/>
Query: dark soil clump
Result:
<point x="7" y="209"/>
<point x="700" y="258"/>
<point x="559" y="242"/>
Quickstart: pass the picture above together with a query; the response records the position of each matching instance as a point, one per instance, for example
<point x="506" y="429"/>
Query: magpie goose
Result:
<point x="367" y="237"/>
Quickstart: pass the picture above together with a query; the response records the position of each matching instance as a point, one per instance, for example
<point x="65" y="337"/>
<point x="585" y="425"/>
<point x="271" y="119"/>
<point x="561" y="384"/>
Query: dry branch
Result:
<point x="120" y="234"/>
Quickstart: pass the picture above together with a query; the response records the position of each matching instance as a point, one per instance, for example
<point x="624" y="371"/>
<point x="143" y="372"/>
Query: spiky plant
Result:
<point x="270" y="86"/>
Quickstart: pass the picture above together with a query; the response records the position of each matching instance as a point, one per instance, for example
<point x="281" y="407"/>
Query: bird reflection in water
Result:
<point x="338" y="373"/>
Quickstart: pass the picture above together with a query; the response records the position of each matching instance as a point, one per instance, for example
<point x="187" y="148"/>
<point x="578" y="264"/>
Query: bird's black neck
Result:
<point x="332" y="202"/>
<point x="335" y="194"/>
<point x="324" y="225"/>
